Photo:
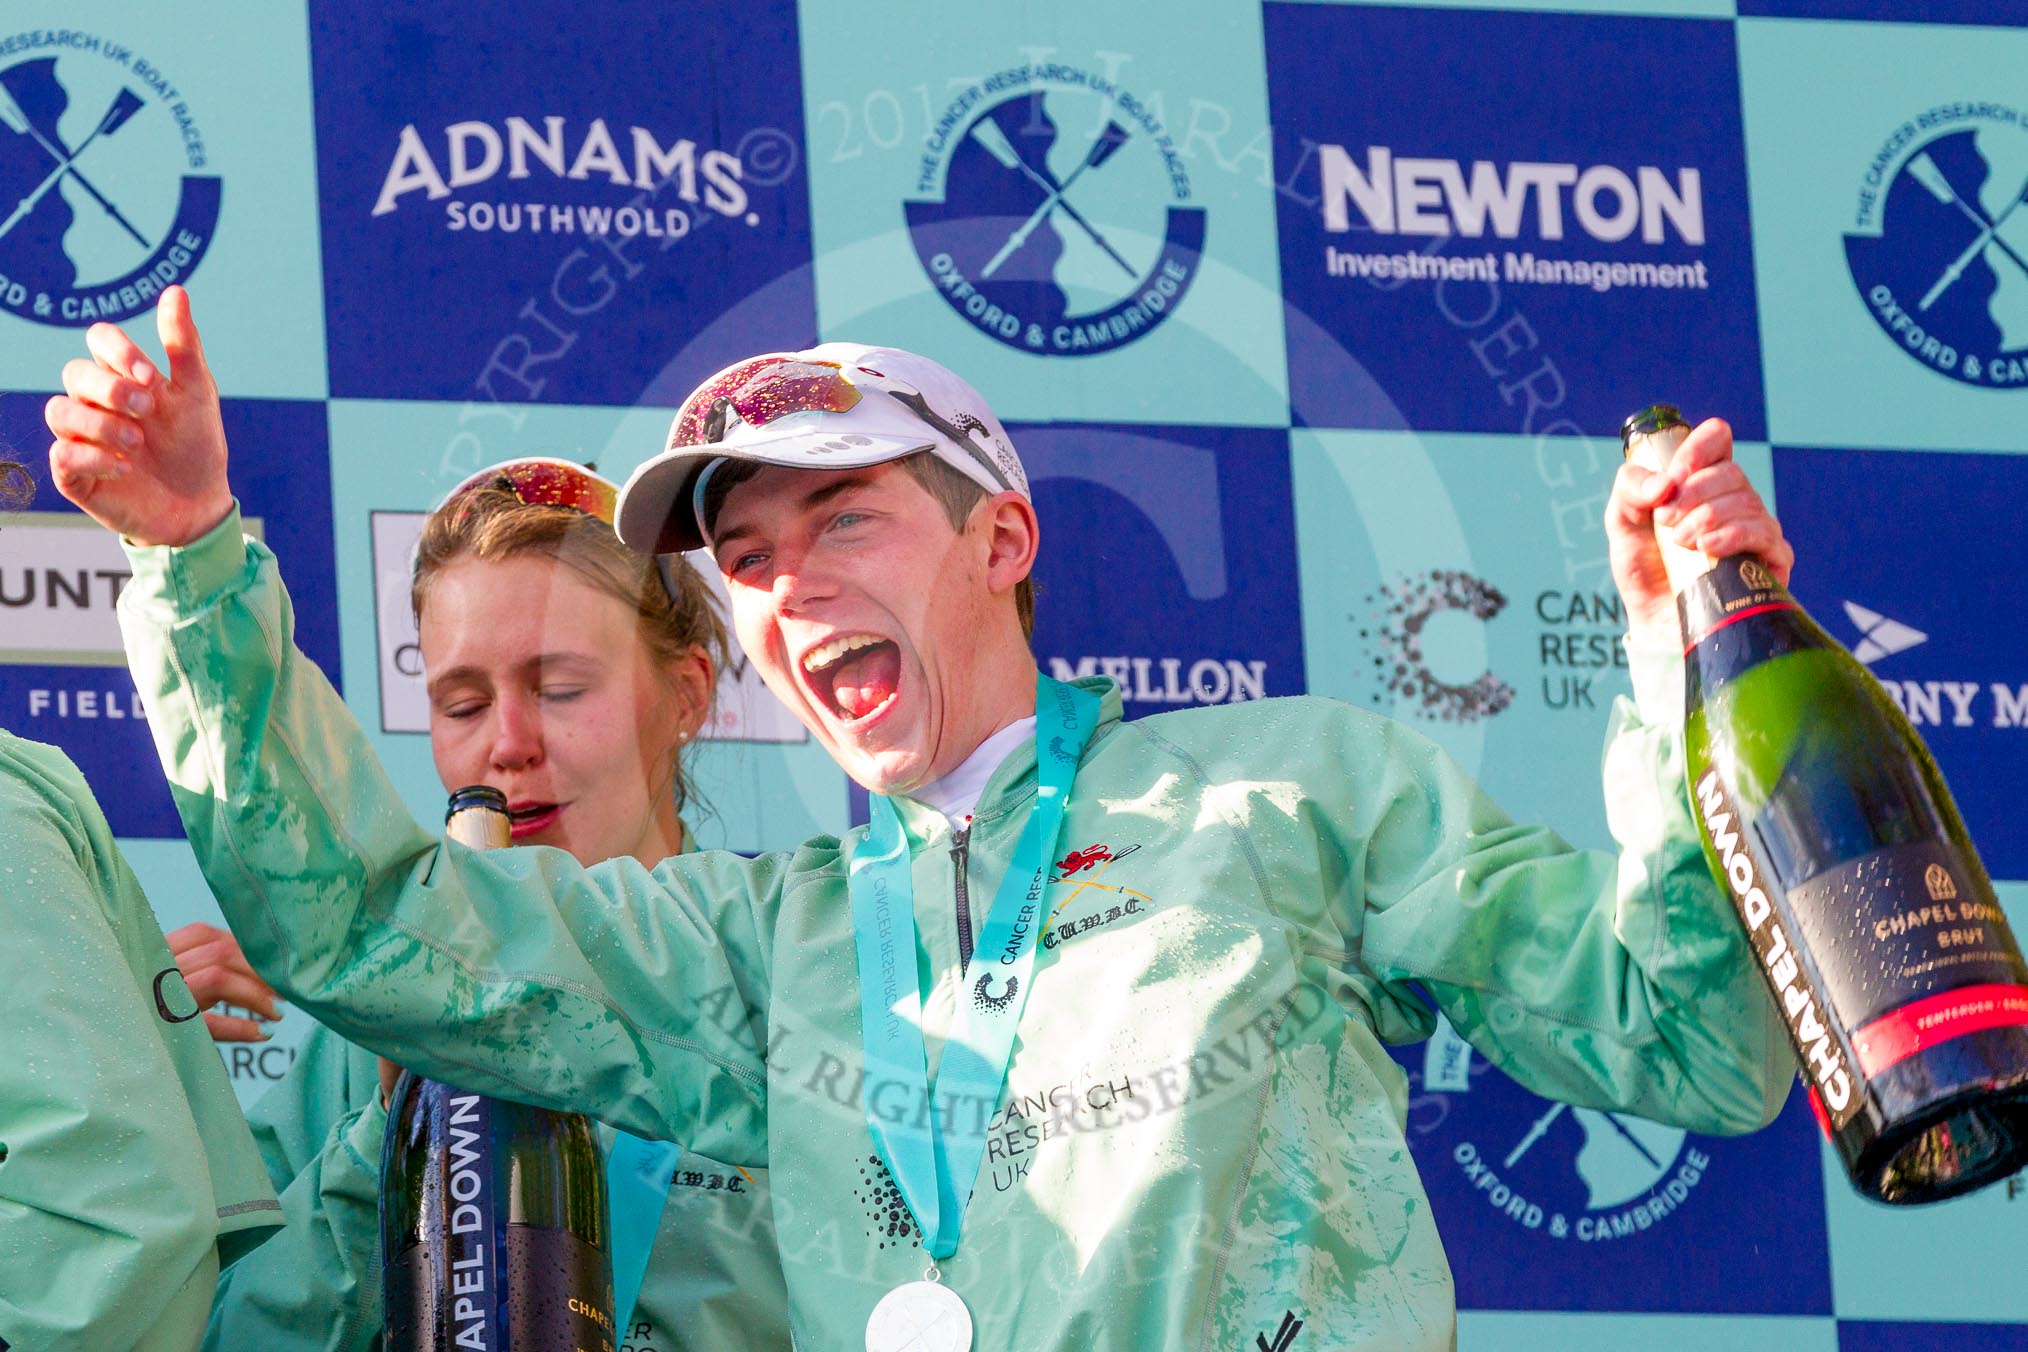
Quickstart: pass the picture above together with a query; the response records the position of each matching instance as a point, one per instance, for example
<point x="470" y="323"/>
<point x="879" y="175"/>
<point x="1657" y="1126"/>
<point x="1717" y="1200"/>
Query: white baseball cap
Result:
<point x="834" y="406"/>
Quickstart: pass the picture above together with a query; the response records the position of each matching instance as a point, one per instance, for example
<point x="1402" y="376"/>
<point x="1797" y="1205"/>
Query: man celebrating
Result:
<point x="1079" y="1043"/>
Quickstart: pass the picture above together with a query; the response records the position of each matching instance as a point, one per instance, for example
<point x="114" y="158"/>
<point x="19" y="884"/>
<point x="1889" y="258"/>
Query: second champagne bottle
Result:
<point x="494" y="1231"/>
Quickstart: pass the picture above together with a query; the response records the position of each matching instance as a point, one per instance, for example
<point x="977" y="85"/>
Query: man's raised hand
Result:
<point x="1701" y="502"/>
<point x="215" y="968"/>
<point x="140" y="450"/>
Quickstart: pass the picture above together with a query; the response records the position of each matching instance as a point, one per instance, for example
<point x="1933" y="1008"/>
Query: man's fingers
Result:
<point x="1724" y="510"/>
<point x="74" y="420"/>
<point x="1705" y="485"/>
<point x="1758" y="536"/>
<point x="73" y="463"/>
<point x="186" y="937"/>
<point x="1636" y="492"/>
<point x="232" y="1028"/>
<point x="119" y="354"/>
<point x="92" y="383"/>
<point x="1710" y="443"/>
<point x="215" y="966"/>
<point x="179" y="337"/>
<point x="213" y="984"/>
<point x="218" y="950"/>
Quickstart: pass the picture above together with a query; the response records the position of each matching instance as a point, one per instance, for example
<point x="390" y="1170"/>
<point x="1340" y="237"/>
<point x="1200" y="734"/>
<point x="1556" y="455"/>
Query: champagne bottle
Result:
<point x="1826" y="821"/>
<point x="492" y="1214"/>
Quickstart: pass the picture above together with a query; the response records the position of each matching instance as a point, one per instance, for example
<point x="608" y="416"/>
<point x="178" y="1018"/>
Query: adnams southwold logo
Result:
<point x="1938" y="249"/>
<point x="1053" y="212"/>
<point x="551" y="175"/>
<point x="102" y="186"/>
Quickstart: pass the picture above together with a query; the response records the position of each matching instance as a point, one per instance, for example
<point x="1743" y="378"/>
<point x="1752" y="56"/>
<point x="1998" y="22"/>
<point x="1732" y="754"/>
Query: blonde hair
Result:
<point x="674" y="609"/>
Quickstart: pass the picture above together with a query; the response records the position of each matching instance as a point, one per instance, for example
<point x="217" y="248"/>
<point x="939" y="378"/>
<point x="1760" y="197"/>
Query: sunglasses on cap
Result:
<point x="760" y="391"/>
<point x="542" y="481"/>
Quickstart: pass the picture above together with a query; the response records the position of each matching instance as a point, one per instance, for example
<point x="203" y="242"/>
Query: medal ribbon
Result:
<point x="638" y="1174"/>
<point x="941" y="1133"/>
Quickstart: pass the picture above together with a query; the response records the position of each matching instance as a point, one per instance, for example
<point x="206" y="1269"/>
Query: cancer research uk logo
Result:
<point x="1938" y="249"/>
<point x="103" y="201"/>
<point x="1053" y="212"/>
<point x="1424" y="632"/>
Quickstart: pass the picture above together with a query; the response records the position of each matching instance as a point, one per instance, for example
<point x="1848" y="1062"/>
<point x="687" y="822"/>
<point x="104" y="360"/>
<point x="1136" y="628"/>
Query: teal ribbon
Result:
<point x="931" y="1153"/>
<point x="638" y="1173"/>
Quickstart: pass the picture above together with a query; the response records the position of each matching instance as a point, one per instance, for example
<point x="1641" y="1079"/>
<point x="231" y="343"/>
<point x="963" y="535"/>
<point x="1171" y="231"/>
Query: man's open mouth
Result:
<point x="854" y="675"/>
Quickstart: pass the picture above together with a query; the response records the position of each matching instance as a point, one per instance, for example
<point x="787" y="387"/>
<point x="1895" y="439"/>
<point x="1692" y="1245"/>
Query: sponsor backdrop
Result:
<point x="1314" y="323"/>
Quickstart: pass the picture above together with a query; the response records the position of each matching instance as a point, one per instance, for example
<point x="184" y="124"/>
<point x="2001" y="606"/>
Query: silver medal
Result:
<point x="924" y="1316"/>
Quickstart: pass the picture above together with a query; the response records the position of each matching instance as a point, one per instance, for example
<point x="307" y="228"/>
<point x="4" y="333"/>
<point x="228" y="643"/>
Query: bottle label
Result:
<point x="553" y="1291"/>
<point x="1736" y="587"/>
<point x="1872" y="960"/>
<point x="446" y="1289"/>
<point x="1837" y="1084"/>
<point x="1927" y="933"/>
<point x="559" y="1293"/>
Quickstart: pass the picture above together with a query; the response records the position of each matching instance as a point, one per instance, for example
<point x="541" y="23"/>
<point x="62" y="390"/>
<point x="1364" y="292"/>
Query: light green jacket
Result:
<point x="713" y="1282"/>
<point x="1201" y="1132"/>
<point x="126" y="1171"/>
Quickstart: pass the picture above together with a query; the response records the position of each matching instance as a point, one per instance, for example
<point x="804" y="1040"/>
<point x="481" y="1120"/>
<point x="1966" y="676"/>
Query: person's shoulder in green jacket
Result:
<point x="127" y="1174"/>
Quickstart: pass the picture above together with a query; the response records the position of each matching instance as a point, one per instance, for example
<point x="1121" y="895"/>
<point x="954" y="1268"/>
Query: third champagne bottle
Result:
<point x="492" y="1214"/>
<point x="1825" y="819"/>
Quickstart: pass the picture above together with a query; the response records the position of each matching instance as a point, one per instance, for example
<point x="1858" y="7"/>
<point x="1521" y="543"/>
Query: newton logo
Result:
<point x="101" y="204"/>
<point x="1040" y="213"/>
<point x="1402" y="194"/>
<point x="1939" y="251"/>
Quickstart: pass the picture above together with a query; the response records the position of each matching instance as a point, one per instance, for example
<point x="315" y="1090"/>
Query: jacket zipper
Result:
<point x="961" y="841"/>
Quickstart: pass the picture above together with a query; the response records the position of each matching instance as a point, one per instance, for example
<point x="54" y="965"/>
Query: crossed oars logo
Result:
<point x="125" y="104"/>
<point x="1925" y="171"/>
<point x="988" y="133"/>
<point x="1541" y="1128"/>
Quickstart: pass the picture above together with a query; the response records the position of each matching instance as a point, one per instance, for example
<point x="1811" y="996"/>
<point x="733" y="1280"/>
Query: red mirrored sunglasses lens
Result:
<point x="760" y="391"/>
<point x="546" y="483"/>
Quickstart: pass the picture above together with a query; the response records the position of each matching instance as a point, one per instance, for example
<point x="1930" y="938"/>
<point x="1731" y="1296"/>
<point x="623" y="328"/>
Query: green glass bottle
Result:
<point x="493" y="1223"/>
<point x="1826" y="821"/>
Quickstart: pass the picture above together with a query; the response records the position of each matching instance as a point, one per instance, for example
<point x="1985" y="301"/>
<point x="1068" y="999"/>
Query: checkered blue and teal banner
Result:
<point x="1314" y="323"/>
